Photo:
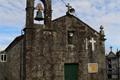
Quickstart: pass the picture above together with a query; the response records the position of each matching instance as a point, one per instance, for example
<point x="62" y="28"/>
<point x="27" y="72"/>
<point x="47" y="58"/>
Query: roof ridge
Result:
<point x="14" y="42"/>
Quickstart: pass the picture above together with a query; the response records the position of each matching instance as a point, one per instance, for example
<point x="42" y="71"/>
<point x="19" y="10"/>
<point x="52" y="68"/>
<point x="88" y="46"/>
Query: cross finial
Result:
<point x="70" y="10"/>
<point x="68" y="6"/>
<point x="101" y="30"/>
<point x="101" y="27"/>
<point x="111" y="48"/>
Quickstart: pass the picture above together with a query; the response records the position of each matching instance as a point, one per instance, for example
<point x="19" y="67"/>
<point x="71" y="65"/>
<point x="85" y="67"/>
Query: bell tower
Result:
<point x="46" y="11"/>
<point x="29" y="34"/>
<point x="30" y="12"/>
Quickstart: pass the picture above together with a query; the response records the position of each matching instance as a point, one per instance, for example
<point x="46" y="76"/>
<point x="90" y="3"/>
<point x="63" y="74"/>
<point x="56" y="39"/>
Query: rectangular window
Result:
<point x="109" y="76"/>
<point x="109" y="63"/>
<point x="109" y="66"/>
<point x="71" y="71"/>
<point x="70" y="37"/>
<point x="3" y="58"/>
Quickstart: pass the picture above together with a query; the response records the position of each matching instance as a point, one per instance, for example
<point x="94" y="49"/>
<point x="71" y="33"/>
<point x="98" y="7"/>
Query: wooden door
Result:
<point x="71" y="71"/>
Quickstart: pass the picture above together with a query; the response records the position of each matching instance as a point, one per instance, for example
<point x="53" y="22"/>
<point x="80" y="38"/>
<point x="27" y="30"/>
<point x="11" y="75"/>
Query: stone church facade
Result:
<point x="60" y="49"/>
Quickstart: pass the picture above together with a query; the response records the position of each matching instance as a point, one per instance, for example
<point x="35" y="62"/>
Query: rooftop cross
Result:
<point x="111" y="48"/>
<point x="68" y="6"/>
<point x="70" y="9"/>
<point x="92" y="41"/>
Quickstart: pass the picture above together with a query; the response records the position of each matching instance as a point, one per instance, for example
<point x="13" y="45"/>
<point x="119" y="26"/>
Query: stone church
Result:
<point x="62" y="49"/>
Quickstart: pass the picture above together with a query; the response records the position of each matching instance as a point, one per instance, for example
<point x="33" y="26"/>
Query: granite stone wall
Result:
<point x="51" y="50"/>
<point x="12" y="66"/>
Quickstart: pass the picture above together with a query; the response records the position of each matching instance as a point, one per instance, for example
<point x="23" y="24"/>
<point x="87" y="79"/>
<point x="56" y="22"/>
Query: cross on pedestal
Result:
<point x="92" y="41"/>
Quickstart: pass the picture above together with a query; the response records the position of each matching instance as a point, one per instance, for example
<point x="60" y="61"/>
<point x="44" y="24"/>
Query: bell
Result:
<point x="72" y="10"/>
<point x="39" y="16"/>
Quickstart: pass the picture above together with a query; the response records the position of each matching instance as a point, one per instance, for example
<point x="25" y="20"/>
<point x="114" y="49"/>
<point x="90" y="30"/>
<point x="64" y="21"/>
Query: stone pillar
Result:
<point x="47" y="13"/>
<point x="29" y="13"/>
<point x="101" y="60"/>
<point x="28" y="38"/>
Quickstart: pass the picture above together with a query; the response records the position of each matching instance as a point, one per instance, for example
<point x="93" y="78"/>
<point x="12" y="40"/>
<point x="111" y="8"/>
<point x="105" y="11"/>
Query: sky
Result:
<point x="93" y="12"/>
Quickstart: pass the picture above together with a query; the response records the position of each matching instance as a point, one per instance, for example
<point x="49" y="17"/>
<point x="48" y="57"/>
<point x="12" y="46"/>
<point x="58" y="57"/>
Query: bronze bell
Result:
<point x="39" y="9"/>
<point x="39" y="16"/>
<point x="72" y="10"/>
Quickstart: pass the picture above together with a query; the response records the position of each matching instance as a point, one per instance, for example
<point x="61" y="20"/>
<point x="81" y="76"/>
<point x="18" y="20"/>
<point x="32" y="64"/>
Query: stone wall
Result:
<point x="51" y="50"/>
<point x="3" y="69"/>
<point x="12" y="66"/>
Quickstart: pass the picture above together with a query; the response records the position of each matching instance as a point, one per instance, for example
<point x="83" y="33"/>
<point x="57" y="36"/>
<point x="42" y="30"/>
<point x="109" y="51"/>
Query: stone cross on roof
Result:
<point x="111" y="48"/>
<point x="68" y="6"/>
<point x="92" y="41"/>
<point x="70" y="9"/>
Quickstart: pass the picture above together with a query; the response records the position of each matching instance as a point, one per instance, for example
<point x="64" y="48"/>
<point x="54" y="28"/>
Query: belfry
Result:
<point x="39" y="16"/>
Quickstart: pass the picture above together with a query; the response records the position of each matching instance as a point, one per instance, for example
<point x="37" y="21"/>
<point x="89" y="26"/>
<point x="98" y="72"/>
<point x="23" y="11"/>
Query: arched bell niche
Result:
<point x="38" y="12"/>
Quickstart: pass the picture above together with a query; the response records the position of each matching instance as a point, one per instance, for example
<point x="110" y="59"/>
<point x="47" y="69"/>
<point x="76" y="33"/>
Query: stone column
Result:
<point x="28" y="38"/>
<point x="101" y="60"/>
<point x="47" y="13"/>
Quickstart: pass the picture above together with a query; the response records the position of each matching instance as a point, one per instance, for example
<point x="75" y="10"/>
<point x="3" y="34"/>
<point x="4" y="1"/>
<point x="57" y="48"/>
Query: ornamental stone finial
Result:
<point x="102" y="30"/>
<point x="111" y="48"/>
<point x="102" y="34"/>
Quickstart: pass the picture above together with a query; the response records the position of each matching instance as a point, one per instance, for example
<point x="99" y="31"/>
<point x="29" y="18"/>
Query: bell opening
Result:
<point x="39" y="16"/>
